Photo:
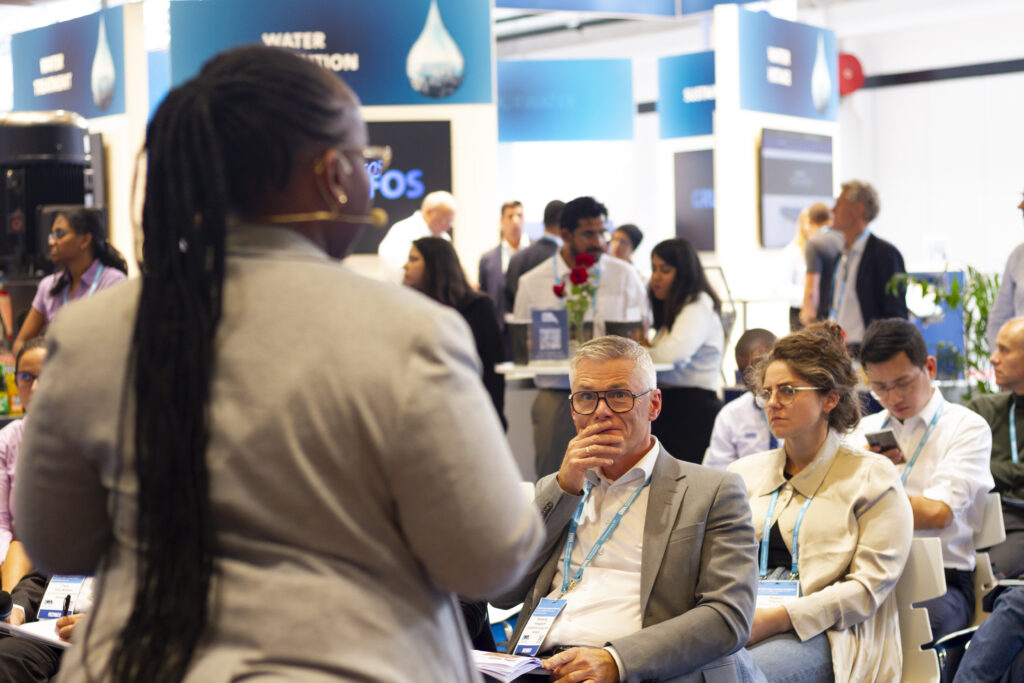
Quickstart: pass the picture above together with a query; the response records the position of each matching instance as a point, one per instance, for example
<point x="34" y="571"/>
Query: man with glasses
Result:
<point x="1004" y="414"/>
<point x="854" y="282"/>
<point x="943" y="458"/>
<point x="652" y="560"/>
<point x="621" y="296"/>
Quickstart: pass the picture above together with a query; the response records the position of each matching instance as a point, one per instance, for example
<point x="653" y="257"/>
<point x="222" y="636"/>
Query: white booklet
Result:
<point x="44" y="631"/>
<point x="505" y="667"/>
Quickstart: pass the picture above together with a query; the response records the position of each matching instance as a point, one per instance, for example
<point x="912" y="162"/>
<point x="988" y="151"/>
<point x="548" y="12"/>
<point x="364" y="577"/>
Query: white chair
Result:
<point x="923" y="578"/>
<point x="992" y="532"/>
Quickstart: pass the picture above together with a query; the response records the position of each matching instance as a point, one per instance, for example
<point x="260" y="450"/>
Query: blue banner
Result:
<point x="390" y="52"/>
<point x="665" y="8"/>
<point x="788" y="68"/>
<point x="584" y="99"/>
<point x="686" y="94"/>
<point x="158" y="65"/>
<point x="76" y="65"/>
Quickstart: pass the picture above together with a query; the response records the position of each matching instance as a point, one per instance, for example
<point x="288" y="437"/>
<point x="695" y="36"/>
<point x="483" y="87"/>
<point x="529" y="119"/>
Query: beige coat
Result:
<point x="358" y="472"/>
<point x="853" y="544"/>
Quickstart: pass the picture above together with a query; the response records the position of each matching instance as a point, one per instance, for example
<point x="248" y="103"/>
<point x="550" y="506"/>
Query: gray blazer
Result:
<point x="358" y="473"/>
<point x="698" y="570"/>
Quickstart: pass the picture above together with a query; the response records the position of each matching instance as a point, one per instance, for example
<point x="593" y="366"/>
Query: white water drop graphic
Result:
<point x="103" y="75"/>
<point x="821" y="83"/>
<point x="435" y="64"/>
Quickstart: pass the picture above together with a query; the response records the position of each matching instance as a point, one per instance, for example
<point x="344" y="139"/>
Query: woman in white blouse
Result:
<point x="838" y="524"/>
<point x="688" y="334"/>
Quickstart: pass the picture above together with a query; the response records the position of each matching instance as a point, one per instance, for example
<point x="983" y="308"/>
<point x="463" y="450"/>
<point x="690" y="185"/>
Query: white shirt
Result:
<point x="845" y="304"/>
<point x="694" y="346"/>
<point x="953" y="468"/>
<point x="605" y="605"/>
<point x="507" y="250"/>
<point x="394" y="248"/>
<point x="740" y="430"/>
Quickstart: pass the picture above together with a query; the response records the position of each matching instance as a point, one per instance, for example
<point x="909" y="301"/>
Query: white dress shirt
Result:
<point x="508" y="251"/>
<point x="740" y="430"/>
<point x="694" y="346"/>
<point x="394" y="248"/>
<point x="605" y="605"/>
<point x="845" y="307"/>
<point x="953" y="468"/>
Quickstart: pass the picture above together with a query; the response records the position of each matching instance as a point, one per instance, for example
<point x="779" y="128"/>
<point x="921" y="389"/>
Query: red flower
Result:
<point x="584" y="260"/>
<point x="559" y="291"/>
<point x="578" y="276"/>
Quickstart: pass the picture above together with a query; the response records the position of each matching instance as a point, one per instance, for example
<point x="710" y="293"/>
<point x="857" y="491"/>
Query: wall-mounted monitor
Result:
<point x="695" y="198"/>
<point x="795" y="172"/>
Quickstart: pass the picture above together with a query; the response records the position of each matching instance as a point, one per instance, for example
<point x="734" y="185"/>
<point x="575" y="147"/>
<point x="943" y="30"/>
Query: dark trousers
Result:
<point x="954" y="610"/>
<point x="1008" y="557"/>
<point x="687" y="417"/>
<point x="26" y="661"/>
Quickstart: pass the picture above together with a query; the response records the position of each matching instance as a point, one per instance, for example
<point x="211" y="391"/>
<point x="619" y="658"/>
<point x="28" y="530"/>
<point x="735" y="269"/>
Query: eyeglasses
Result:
<point x="25" y="377"/>
<point x="617" y="400"/>
<point x="785" y="394"/>
<point x="901" y="387"/>
<point x="592" y="235"/>
<point x="57" y="235"/>
<point x="376" y="158"/>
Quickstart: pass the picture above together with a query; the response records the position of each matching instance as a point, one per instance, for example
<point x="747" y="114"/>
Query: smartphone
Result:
<point x="884" y="439"/>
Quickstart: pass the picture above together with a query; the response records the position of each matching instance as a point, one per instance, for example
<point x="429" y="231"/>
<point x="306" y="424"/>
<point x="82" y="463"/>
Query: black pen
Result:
<point x="67" y="605"/>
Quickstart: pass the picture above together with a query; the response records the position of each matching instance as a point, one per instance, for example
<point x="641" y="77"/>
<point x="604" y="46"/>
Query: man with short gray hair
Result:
<point x="650" y="563"/>
<point x="854" y="282"/>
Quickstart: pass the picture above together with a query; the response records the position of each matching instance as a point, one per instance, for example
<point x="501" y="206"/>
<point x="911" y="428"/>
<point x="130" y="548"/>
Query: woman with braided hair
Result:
<point x="282" y="469"/>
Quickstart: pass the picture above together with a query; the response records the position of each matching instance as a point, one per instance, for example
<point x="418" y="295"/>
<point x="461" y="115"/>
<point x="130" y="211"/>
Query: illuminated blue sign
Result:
<point x="686" y="94"/>
<point x="393" y="184"/>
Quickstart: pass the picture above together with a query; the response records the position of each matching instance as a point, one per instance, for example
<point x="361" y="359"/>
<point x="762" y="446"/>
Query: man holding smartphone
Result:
<point x="942" y="454"/>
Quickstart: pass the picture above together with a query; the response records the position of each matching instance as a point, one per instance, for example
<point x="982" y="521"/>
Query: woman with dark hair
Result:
<point x="834" y="523"/>
<point x="689" y="334"/>
<point x="434" y="269"/>
<point x="86" y="262"/>
<point x="273" y="465"/>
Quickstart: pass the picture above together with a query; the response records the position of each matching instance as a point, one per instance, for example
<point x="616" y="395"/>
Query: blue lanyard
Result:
<point x="92" y="288"/>
<point x="568" y="585"/>
<point x="766" y="532"/>
<point x="834" y="311"/>
<point x="1013" y="428"/>
<point x="924" y="439"/>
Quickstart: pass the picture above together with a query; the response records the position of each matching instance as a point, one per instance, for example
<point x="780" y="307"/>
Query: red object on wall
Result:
<point x="851" y="75"/>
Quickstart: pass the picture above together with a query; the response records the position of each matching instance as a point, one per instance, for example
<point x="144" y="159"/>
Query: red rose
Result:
<point x="578" y="276"/>
<point x="584" y="260"/>
<point x="559" y="291"/>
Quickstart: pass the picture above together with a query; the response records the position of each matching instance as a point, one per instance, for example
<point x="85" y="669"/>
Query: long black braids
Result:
<point x="215" y="145"/>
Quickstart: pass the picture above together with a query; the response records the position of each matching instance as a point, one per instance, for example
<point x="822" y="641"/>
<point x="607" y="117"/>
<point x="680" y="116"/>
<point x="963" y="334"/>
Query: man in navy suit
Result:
<point x="541" y="250"/>
<point x="854" y="283"/>
<point x="494" y="263"/>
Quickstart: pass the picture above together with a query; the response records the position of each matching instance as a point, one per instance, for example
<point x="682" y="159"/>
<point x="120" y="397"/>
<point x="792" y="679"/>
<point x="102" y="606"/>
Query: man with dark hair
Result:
<point x="494" y="263"/>
<point x="1003" y="413"/>
<point x="663" y="590"/>
<point x="526" y="259"/>
<point x="740" y="426"/>
<point x="621" y="296"/>
<point x="942" y="455"/>
<point x="854" y="283"/>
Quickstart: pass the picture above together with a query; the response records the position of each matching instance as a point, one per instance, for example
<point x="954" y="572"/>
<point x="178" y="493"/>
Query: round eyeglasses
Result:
<point x="784" y="393"/>
<point x="617" y="400"/>
<point x="900" y="387"/>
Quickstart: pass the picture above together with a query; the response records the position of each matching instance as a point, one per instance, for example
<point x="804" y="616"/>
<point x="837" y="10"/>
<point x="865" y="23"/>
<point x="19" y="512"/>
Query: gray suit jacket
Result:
<point x="698" y="580"/>
<point x="358" y="473"/>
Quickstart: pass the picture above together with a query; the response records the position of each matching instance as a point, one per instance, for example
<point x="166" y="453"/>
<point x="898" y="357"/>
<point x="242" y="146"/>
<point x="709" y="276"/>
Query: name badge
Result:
<point x="775" y="593"/>
<point x="73" y="591"/>
<point x="541" y="621"/>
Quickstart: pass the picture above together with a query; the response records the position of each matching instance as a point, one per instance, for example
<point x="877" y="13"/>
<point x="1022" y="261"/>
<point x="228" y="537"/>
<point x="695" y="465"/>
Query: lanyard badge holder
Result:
<point x="924" y="440"/>
<point x="777" y="589"/>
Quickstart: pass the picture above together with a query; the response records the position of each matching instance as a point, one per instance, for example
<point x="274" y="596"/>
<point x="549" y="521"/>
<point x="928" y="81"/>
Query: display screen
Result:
<point x="795" y="172"/>
<point x="421" y="162"/>
<point x="695" y="198"/>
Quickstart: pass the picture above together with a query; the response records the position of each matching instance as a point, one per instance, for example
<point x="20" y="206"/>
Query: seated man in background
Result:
<point x="652" y="558"/>
<point x="1003" y="412"/>
<point x="23" y="660"/>
<point x="943" y="458"/>
<point x="740" y="426"/>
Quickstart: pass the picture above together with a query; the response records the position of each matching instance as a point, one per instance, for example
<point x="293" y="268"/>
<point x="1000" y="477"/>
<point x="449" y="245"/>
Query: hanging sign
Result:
<point x="686" y="94"/>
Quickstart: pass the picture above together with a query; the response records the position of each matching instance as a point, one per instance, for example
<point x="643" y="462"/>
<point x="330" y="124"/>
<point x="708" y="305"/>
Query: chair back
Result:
<point x="992" y="531"/>
<point x="923" y="578"/>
